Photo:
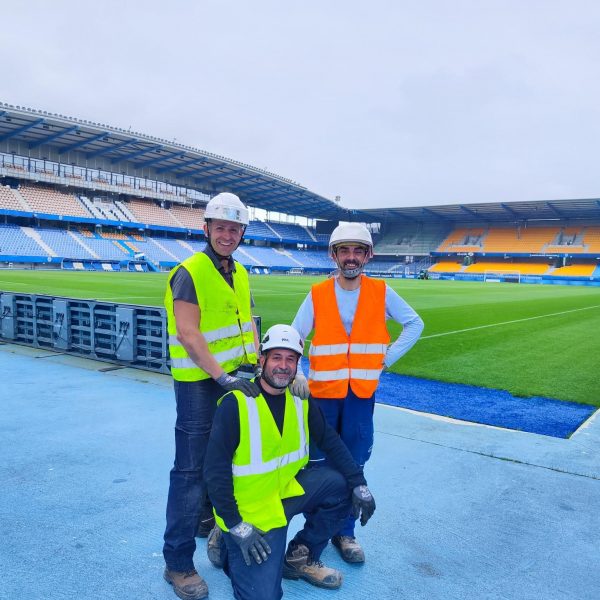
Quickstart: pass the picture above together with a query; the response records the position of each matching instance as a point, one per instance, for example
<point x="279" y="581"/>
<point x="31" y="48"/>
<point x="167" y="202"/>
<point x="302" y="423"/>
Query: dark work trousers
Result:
<point x="188" y="500"/>
<point x="325" y="503"/>
<point x="352" y="418"/>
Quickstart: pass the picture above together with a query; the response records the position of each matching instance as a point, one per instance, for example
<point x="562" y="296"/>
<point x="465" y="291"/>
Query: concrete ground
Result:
<point x="463" y="511"/>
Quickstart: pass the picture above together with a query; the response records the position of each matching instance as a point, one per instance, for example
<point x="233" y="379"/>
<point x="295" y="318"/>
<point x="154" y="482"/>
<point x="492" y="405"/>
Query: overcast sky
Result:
<point x="382" y="103"/>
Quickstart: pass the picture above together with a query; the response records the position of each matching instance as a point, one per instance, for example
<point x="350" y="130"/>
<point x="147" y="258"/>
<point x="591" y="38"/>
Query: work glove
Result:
<point x="231" y="383"/>
<point x="363" y="504"/>
<point x="299" y="387"/>
<point x="251" y="543"/>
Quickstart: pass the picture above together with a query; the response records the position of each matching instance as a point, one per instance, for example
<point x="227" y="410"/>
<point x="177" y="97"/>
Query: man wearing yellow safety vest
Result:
<point x="256" y="481"/>
<point x="348" y="313"/>
<point x="211" y="333"/>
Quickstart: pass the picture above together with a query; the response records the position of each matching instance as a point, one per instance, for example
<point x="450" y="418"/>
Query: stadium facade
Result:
<point x="81" y="195"/>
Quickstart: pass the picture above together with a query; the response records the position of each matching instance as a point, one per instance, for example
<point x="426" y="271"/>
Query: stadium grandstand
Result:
<point x="86" y="196"/>
<point x="529" y="242"/>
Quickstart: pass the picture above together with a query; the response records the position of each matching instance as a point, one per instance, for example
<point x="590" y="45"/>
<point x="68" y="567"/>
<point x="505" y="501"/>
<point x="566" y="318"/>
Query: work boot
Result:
<point x="348" y="548"/>
<point x="213" y="547"/>
<point x="205" y="526"/>
<point x="188" y="585"/>
<point x="299" y="564"/>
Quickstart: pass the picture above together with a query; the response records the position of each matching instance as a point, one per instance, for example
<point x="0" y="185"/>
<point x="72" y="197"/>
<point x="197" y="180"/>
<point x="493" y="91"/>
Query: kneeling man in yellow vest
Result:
<point x="256" y="480"/>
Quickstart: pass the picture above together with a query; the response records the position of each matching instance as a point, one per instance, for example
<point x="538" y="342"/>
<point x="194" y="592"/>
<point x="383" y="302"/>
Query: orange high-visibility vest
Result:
<point x="338" y="359"/>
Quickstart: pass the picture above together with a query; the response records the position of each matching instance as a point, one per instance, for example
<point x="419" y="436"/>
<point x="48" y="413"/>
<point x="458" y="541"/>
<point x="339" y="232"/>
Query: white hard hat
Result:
<point x="355" y="233"/>
<point x="227" y="207"/>
<point x="282" y="336"/>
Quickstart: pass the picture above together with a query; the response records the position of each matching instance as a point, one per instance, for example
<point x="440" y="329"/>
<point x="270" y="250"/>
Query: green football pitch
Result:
<point x="532" y="340"/>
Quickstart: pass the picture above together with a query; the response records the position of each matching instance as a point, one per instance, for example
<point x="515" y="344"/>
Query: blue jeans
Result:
<point x="325" y="503"/>
<point x="352" y="418"/>
<point x="188" y="500"/>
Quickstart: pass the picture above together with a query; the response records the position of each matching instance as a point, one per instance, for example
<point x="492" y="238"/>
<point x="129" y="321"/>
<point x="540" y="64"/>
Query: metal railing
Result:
<point x="129" y="335"/>
<point x="125" y="334"/>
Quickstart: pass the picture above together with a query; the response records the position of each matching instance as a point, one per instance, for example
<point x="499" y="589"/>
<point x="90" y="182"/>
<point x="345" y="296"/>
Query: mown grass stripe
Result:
<point x="564" y="312"/>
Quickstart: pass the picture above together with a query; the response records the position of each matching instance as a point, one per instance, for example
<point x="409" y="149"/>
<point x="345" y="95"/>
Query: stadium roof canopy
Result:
<point x="36" y="133"/>
<point x="27" y="131"/>
<point x="494" y="212"/>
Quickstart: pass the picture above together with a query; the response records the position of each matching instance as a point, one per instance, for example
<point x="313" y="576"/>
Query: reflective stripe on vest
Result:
<point x="217" y="334"/>
<point x="332" y="349"/>
<point x="257" y="466"/>
<point x="220" y="357"/>
<point x="368" y="348"/>
<point x="343" y="374"/>
<point x="328" y="349"/>
<point x="339" y="361"/>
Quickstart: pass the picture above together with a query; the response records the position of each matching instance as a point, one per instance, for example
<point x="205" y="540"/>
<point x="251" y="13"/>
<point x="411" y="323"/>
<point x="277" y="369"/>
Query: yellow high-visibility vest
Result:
<point x="225" y="319"/>
<point x="266" y="461"/>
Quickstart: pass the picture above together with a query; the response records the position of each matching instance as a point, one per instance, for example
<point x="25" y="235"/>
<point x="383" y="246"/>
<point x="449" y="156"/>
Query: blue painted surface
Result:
<point x="463" y="511"/>
<point x="545" y="416"/>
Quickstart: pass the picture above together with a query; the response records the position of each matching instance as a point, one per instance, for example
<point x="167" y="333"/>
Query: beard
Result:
<point x="278" y="378"/>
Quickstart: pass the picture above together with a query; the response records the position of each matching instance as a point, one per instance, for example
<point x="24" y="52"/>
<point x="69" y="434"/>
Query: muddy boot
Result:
<point x="213" y="547"/>
<point x="187" y="585"/>
<point x="299" y="564"/>
<point x="348" y="548"/>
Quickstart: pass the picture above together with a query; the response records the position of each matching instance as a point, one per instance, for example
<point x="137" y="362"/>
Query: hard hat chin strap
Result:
<point x="350" y="273"/>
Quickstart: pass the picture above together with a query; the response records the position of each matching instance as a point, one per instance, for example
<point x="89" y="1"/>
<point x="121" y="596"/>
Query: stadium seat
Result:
<point x="445" y="266"/>
<point x="578" y="270"/>
<point x="9" y="201"/>
<point x="49" y="200"/>
<point x="14" y="241"/>
<point x="188" y="217"/>
<point x="150" y="212"/>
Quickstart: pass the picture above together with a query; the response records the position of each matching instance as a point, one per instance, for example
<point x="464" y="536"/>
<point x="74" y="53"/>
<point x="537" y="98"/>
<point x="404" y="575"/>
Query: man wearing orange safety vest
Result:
<point x="349" y="350"/>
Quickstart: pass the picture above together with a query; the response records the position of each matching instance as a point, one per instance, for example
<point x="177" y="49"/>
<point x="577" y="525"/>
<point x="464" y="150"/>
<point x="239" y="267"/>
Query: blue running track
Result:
<point x="464" y="511"/>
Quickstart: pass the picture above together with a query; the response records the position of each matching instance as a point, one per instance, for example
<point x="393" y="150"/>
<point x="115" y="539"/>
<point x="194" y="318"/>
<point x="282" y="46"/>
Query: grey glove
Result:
<point x="299" y="387"/>
<point x="231" y="383"/>
<point x="251" y="543"/>
<point x="363" y="504"/>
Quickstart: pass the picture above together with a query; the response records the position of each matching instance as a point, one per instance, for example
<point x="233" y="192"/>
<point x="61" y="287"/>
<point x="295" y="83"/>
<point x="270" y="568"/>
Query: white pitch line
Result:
<point x="564" y="312"/>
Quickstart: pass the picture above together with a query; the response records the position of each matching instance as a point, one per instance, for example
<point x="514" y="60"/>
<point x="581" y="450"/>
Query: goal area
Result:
<point x="502" y="276"/>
